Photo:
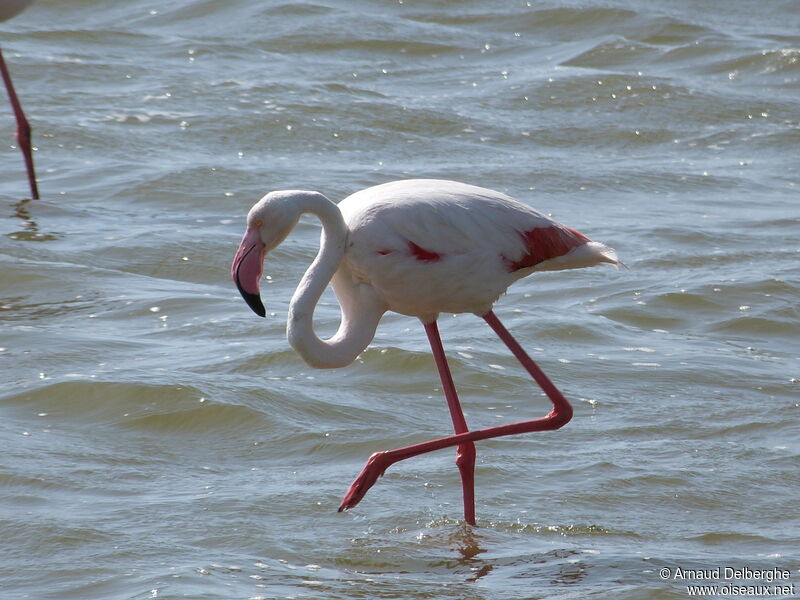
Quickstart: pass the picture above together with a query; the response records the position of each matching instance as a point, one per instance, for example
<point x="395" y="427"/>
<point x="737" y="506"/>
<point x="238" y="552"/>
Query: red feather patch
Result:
<point x="422" y="254"/>
<point x="545" y="243"/>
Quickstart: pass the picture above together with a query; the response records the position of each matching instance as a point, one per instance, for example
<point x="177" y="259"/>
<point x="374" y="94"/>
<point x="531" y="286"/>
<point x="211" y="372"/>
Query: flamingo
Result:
<point x="417" y="247"/>
<point x="8" y="9"/>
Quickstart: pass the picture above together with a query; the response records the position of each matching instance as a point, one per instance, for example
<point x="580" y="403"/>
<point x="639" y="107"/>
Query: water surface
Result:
<point x="161" y="441"/>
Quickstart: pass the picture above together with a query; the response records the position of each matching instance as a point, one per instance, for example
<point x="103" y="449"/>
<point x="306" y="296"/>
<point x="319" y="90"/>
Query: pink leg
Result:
<point x="556" y="418"/>
<point x="465" y="453"/>
<point x="23" y="133"/>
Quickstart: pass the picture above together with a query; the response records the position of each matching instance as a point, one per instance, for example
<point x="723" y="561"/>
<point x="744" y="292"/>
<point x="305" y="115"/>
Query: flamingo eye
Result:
<point x="258" y="223"/>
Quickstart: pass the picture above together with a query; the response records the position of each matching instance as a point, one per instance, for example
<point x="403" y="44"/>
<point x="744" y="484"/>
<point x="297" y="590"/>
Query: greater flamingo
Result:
<point x="417" y="247"/>
<point x="8" y="9"/>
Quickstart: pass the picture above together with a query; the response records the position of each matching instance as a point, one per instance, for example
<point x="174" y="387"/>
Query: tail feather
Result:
<point x="555" y="247"/>
<point x="585" y="255"/>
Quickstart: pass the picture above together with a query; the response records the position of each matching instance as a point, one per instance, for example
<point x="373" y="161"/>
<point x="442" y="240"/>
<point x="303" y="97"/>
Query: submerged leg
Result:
<point x="465" y="453"/>
<point x="23" y="133"/>
<point x="556" y="418"/>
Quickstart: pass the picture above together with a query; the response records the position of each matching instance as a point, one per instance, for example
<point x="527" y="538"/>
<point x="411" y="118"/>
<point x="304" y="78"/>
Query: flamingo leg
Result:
<point x="465" y="453"/>
<point x="23" y="133"/>
<point x="556" y="418"/>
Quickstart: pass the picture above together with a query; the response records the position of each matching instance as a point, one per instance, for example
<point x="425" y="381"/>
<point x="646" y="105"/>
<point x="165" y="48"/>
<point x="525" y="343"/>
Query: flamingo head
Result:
<point x="268" y="223"/>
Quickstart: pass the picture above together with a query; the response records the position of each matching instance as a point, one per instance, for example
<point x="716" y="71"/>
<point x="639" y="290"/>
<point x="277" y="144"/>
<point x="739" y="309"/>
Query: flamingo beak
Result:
<point x="247" y="268"/>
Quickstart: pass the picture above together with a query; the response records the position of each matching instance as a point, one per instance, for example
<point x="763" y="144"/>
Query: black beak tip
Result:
<point x="253" y="301"/>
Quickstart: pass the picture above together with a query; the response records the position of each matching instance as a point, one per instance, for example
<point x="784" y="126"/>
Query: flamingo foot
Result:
<point x="375" y="467"/>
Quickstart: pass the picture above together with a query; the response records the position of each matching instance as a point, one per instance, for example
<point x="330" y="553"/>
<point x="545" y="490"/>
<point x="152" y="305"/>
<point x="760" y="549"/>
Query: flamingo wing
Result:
<point x="429" y="243"/>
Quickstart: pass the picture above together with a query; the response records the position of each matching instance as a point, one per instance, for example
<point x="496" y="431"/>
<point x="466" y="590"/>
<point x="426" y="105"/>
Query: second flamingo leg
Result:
<point x="23" y="133"/>
<point x="465" y="453"/>
<point x="556" y="418"/>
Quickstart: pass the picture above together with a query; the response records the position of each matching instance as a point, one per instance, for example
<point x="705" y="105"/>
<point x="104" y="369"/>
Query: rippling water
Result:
<point x="161" y="441"/>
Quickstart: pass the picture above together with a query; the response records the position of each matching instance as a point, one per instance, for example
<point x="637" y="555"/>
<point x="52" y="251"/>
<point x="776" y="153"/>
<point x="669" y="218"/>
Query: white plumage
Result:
<point x="475" y="233"/>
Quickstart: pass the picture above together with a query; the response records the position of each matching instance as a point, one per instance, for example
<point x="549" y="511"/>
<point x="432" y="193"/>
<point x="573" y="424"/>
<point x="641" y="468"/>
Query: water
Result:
<point x="159" y="440"/>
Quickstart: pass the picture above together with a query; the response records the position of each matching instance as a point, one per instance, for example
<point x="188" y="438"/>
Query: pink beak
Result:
<point x="247" y="268"/>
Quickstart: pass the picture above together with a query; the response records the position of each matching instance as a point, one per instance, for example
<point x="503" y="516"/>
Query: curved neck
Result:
<point x="360" y="311"/>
